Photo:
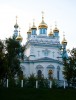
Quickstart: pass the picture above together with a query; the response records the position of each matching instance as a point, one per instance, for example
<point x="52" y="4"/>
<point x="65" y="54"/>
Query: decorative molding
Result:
<point x="50" y="67"/>
<point x="45" y="59"/>
<point x="46" y="52"/>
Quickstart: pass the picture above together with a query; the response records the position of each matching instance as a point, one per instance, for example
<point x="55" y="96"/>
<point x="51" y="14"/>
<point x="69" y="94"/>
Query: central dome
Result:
<point x="42" y="24"/>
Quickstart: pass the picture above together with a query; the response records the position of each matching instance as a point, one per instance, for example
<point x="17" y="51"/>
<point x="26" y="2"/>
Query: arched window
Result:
<point x="50" y="72"/>
<point x="39" y="73"/>
<point x="58" y="72"/>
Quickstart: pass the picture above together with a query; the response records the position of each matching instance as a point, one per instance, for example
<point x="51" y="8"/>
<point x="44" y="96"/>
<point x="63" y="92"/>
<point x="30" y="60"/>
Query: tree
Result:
<point x="69" y="69"/>
<point x="14" y="52"/>
<point x="3" y="65"/>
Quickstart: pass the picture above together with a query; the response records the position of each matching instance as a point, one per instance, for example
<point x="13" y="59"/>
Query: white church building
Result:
<point x="43" y="52"/>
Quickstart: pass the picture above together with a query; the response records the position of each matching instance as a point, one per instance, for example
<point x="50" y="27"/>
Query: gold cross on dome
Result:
<point x="63" y="34"/>
<point x="33" y="22"/>
<point x="42" y="15"/>
<point x="51" y="27"/>
<point x="55" y="24"/>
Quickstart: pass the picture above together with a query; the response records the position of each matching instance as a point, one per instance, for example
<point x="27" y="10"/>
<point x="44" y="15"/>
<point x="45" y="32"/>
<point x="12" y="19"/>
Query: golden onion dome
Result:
<point x="64" y="41"/>
<point x="19" y="37"/>
<point x="42" y="24"/>
<point x="56" y="30"/>
<point x="50" y="33"/>
<point x="29" y="31"/>
<point x="16" y="25"/>
<point x="33" y="27"/>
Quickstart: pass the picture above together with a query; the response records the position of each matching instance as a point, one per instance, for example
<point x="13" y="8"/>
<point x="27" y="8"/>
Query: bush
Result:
<point x="30" y="82"/>
<point x="54" y="83"/>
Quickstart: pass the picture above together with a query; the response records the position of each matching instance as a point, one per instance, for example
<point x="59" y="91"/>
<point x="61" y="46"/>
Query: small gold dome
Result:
<point x="56" y="30"/>
<point x="50" y="33"/>
<point x="42" y="24"/>
<point x="64" y="41"/>
<point x="29" y="31"/>
<point x="19" y="38"/>
<point x="33" y="27"/>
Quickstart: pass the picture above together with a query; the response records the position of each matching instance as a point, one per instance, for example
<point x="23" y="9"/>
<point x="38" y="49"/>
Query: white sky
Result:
<point x="61" y="11"/>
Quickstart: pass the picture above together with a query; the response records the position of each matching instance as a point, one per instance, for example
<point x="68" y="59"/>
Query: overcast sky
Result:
<point x="61" y="11"/>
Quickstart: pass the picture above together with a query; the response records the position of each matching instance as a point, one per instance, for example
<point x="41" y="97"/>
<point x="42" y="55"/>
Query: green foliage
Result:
<point x="12" y="82"/>
<point x="13" y="49"/>
<point x="31" y="81"/>
<point x="69" y="69"/>
<point x="54" y="83"/>
<point x="3" y="61"/>
<point x="11" y="53"/>
<point x="42" y="83"/>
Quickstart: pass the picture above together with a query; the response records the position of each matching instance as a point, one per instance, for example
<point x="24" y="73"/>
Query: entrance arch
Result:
<point x="39" y="70"/>
<point x="39" y="73"/>
<point x="50" y="71"/>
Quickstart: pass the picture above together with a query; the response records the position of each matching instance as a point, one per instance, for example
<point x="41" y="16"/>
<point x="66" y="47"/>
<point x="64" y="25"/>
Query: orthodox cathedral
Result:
<point x="43" y="55"/>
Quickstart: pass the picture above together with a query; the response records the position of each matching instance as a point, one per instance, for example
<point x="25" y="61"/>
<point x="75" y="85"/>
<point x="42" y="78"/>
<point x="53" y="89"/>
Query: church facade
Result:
<point x="43" y="55"/>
